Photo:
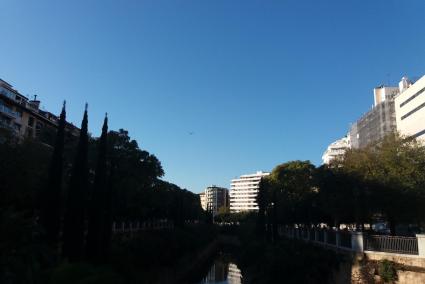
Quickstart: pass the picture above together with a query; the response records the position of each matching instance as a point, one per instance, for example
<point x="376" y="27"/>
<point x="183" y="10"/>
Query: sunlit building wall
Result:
<point x="203" y="200"/>
<point x="244" y="191"/>
<point x="410" y="108"/>
<point x="23" y="117"/>
<point x="215" y="198"/>
<point x="336" y="150"/>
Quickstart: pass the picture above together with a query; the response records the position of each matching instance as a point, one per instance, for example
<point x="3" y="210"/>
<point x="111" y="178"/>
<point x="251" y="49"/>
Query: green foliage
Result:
<point x="387" y="271"/>
<point x="385" y="180"/>
<point x="144" y="258"/>
<point x="73" y="232"/>
<point x="290" y="193"/>
<point x="52" y="196"/>
<point x="293" y="261"/>
<point x="99" y="223"/>
<point x="84" y="273"/>
<point x="23" y="173"/>
<point x="390" y="175"/>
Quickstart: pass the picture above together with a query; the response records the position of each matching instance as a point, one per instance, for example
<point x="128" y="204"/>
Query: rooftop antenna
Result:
<point x="35" y="97"/>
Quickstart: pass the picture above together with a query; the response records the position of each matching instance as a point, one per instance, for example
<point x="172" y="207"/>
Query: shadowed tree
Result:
<point x="263" y="202"/>
<point x="98" y="205"/>
<point x="73" y="235"/>
<point x="51" y="199"/>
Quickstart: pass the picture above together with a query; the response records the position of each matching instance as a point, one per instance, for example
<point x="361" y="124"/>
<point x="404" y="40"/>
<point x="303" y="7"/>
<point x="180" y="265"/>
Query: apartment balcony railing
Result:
<point x="5" y="110"/>
<point x="7" y="93"/>
<point x="358" y="241"/>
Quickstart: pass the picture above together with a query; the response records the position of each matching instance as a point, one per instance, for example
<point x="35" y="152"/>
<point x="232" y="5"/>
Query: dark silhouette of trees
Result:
<point x="382" y="182"/>
<point x="74" y="222"/>
<point x="98" y="208"/>
<point x="51" y="200"/>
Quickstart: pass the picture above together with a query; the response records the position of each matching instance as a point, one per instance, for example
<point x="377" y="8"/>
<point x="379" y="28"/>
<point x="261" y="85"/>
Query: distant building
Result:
<point x="410" y="108"/>
<point x="336" y="150"/>
<point x="203" y="200"/>
<point x="215" y="198"/>
<point x="23" y="117"/>
<point x="244" y="191"/>
<point x="378" y="122"/>
<point x="235" y="275"/>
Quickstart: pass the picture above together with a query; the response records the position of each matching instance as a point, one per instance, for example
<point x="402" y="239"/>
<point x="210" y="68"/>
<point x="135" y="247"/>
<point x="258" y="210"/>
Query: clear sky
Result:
<point x="257" y="82"/>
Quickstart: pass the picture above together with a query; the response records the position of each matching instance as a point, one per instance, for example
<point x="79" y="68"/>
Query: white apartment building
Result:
<point x="215" y="198"/>
<point x="243" y="192"/>
<point x="410" y="108"/>
<point x="203" y="200"/>
<point x="336" y="150"/>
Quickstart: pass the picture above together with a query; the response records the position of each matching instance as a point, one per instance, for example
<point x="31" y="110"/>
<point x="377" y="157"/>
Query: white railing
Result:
<point x="136" y="226"/>
<point x="358" y="241"/>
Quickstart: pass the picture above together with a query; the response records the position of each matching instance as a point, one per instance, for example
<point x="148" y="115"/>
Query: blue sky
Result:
<point x="257" y="82"/>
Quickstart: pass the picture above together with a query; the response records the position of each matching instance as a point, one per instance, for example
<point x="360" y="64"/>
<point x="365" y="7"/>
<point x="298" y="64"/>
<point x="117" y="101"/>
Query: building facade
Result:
<point x="23" y="117"/>
<point x="244" y="191"/>
<point x="213" y="198"/>
<point x="410" y="108"/>
<point x="336" y="150"/>
<point x="378" y="122"/>
<point x="203" y="200"/>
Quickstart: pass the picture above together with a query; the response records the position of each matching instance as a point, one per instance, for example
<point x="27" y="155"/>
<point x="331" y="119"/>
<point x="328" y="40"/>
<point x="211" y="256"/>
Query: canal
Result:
<point x="222" y="270"/>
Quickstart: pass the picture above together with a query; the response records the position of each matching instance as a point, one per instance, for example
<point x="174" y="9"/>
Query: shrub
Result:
<point x="387" y="271"/>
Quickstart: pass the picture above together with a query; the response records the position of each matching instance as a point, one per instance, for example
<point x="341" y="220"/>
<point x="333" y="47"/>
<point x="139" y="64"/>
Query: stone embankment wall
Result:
<point x="364" y="268"/>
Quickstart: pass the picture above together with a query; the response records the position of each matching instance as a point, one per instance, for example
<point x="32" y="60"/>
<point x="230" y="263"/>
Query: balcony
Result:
<point x="7" y="93"/>
<point x="9" y="112"/>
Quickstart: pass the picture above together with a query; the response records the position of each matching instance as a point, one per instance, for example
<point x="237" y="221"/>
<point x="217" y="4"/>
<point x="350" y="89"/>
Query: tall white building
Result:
<point x="243" y="192"/>
<point x="336" y="150"/>
<point x="410" y="108"/>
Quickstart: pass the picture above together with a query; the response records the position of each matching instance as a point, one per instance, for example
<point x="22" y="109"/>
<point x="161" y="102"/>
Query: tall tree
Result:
<point x="98" y="210"/>
<point x="263" y="202"/>
<point x="73" y="235"/>
<point x="51" y="199"/>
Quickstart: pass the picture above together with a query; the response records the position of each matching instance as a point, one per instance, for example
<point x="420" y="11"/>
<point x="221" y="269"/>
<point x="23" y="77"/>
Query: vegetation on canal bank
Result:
<point x="161" y="256"/>
<point x="60" y="193"/>
<point x="282" y="261"/>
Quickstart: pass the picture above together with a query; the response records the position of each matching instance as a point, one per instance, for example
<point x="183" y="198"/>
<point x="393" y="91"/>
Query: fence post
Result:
<point x="357" y="241"/>
<point x="337" y="239"/>
<point x="421" y="244"/>
<point x="316" y="235"/>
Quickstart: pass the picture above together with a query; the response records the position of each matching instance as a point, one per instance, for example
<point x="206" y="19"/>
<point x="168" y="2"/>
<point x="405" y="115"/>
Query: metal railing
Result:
<point x="331" y="238"/>
<point x="133" y="227"/>
<point x="355" y="241"/>
<point x="345" y="240"/>
<point x="392" y="244"/>
<point x="8" y="111"/>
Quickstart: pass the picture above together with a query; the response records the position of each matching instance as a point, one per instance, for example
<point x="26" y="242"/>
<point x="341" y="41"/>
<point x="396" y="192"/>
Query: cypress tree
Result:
<point x="51" y="200"/>
<point x="98" y="205"/>
<point x="73" y="235"/>
<point x="107" y="226"/>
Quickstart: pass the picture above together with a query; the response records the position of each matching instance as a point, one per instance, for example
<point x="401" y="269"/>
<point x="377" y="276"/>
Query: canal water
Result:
<point x="223" y="271"/>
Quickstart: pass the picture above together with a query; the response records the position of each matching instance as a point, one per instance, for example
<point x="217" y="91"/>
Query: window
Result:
<point x="31" y="121"/>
